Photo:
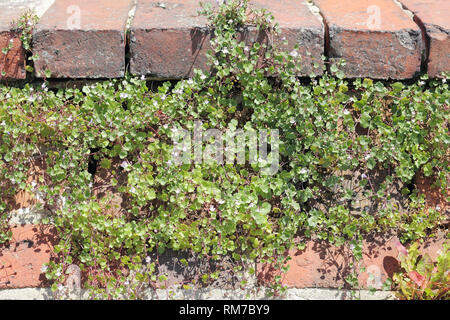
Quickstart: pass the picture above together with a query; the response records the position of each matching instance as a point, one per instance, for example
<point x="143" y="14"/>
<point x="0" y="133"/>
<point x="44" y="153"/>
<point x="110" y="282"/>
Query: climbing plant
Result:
<point x="341" y="142"/>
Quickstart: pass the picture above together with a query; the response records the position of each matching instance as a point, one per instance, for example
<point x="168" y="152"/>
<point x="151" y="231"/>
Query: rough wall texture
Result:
<point x="380" y="39"/>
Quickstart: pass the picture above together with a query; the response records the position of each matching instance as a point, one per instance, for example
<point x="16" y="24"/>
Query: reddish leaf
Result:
<point x="400" y="247"/>
<point x="417" y="278"/>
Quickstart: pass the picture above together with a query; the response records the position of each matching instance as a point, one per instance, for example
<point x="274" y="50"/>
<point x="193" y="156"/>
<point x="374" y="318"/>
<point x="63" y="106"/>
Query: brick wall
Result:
<point x="381" y="39"/>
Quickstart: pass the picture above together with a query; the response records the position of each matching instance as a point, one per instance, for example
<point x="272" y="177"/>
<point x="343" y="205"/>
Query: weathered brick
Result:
<point x="389" y="47"/>
<point x="106" y="192"/>
<point x="434" y="198"/>
<point x="323" y="265"/>
<point x="22" y="259"/>
<point x="12" y="65"/>
<point x="170" y="41"/>
<point x="92" y="46"/>
<point x="433" y="16"/>
<point x="27" y="208"/>
<point x="299" y="26"/>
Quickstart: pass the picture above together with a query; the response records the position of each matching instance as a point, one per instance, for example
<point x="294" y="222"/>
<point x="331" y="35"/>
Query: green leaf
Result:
<point x="105" y="163"/>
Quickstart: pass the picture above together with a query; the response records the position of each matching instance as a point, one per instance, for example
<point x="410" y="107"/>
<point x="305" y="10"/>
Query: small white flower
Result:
<point x="367" y="157"/>
<point x="225" y="50"/>
<point x="346" y="112"/>
<point x="163" y="97"/>
<point x="60" y="287"/>
<point x="11" y="40"/>
<point x="246" y="49"/>
<point x="124" y="95"/>
<point x="44" y="268"/>
<point x="292" y="121"/>
<point x="211" y="208"/>
<point x="251" y="205"/>
<point x="438" y="208"/>
<point x="190" y="82"/>
<point x="304" y="171"/>
<point x="221" y="201"/>
<point x="70" y="119"/>
<point x="124" y="164"/>
<point x="352" y="247"/>
<point x="177" y="191"/>
<point x="294" y="53"/>
<point x="155" y="103"/>
<point x="58" y="273"/>
<point x="147" y="259"/>
<point x="132" y="189"/>
<point x="142" y="77"/>
<point x="421" y="83"/>
<point x="127" y="283"/>
<point x="203" y="76"/>
<point x="364" y="176"/>
<point x="444" y="80"/>
<point x="3" y="123"/>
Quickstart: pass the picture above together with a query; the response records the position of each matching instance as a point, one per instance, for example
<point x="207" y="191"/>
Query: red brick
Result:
<point x="21" y="261"/>
<point x="390" y="49"/>
<point x="170" y="42"/>
<point x="434" y="197"/>
<point x="298" y="26"/>
<point x="323" y="265"/>
<point x="23" y="199"/>
<point x="13" y="64"/>
<point x="433" y="15"/>
<point x="94" y="50"/>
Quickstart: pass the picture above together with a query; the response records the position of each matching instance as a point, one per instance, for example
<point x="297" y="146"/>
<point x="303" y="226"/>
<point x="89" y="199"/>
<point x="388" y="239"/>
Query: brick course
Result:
<point x="93" y="49"/>
<point x="433" y="16"/>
